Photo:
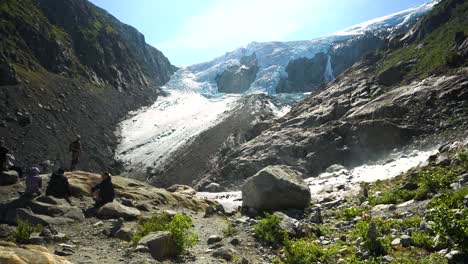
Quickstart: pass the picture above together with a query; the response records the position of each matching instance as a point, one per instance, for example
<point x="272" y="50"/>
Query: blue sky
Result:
<point x="194" y="31"/>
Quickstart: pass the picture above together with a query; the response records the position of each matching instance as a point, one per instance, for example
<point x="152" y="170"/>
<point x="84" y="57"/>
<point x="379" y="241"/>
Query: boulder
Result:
<point x="224" y="253"/>
<point x="116" y="210"/>
<point x="213" y="187"/>
<point x="182" y="189"/>
<point x="287" y="223"/>
<point x="13" y="254"/>
<point x="213" y="239"/>
<point x="56" y="211"/>
<point x="38" y="219"/>
<point x="8" y="178"/>
<point x="275" y="188"/>
<point x="124" y="233"/>
<point x="160" y="244"/>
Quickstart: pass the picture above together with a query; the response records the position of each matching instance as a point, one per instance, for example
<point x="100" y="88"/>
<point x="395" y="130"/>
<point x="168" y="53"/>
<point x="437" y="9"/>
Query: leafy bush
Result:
<point x="422" y="240"/>
<point x="24" y="229"/>
<point x="350" y="213"/>
<point x="229" y="230"/>
<point x="393" y="197"/>
<point x="180" y="226"/>
<point x="269" y="230"/>
<point x="304" y="251"/>
<point x="451" y="226"/>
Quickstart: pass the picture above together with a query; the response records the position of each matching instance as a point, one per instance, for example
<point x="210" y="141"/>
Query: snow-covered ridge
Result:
<point x="273" y="57"/>
<point x="392" y="21"/>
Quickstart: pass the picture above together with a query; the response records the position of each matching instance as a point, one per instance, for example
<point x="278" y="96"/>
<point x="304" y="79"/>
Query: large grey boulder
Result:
<point x="8" y="177"/>
<point x="161" y="244"/>
<point x="116" y="210"/>
<point x="42" y="210"/>
<point x="276" y="188"/>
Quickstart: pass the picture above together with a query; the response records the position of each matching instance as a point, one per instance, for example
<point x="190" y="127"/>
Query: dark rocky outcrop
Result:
<point x="238" y="78"/>
<point x="304" y="74"/>
<point x="346" y="53"/>
<point x="67" y="68"/>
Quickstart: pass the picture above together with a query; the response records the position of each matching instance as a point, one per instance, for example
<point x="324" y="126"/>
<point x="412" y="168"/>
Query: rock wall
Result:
<point x="67" y="68"/>
<point x="238" y="78"/>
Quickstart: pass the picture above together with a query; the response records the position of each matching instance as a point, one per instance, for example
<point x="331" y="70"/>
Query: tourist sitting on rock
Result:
<point x="58" y="186"/>
<point x="106" y="192"/>
<point x="3" y="155"/>
<point x="33" y="182"/>
<point x="10" y="165"/>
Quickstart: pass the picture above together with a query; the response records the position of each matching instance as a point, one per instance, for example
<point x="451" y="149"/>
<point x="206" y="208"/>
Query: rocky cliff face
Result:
<point x="69" y="67"/>
<point x="357" y="118"/>
<point x="304" y="75"/>
<point x="238" y="78"/>
<point x="76" y="38"/>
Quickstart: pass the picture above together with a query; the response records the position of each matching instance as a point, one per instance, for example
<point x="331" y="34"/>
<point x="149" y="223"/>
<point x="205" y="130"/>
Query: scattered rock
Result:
<point x="287" y="223"/>
<point x="261" y="190"/>
<point x="384" y="207"/>
<point x="213" y="187"/>
<point x="405" y="240"/>
<point x="315" y="215"/>
<point x="235" y="241"/>
<point x="124" y="233"/>
<point x="116" y="210"/>
<point x="214" y="239"/>
<point x="214" y="209"/>
<point x="64" y="250"/>
<point x="11" y="253"/>
<point x="182" y="189"/>
<point x="160" y="244"/>
<point x="224" y="253"/>
<point x="8" y="177"/>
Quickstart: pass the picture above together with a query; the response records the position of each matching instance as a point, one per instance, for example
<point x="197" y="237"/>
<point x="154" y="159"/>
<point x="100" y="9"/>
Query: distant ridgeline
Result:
<point x="299" y="66"/>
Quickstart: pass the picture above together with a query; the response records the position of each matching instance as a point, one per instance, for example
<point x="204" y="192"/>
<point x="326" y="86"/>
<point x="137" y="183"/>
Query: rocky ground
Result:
<point x="401" y="208"/>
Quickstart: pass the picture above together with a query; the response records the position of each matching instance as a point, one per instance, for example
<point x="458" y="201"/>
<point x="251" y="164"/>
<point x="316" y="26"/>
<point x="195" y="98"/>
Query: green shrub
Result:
<point x="180" y="226"/>
<point x="452" y="199"/>
<point x="304" y="251"/>
<point x="437" y="178"/>
<point x="451" y="227"/>
<point x="393" y="197"/>
<point x="24" y="229"/>
<point x="350" y="213"/>
<point x="269" y="230"/>
<point x="229" y="230"/>
<point x="422" y="240"/>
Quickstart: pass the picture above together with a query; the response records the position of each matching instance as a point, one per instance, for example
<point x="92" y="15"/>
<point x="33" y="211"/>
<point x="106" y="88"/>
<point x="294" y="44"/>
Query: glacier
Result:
<point x="192" y="104"/>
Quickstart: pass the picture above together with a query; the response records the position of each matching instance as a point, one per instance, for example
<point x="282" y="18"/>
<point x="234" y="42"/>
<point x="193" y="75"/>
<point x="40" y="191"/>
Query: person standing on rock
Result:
<point x="33" y="182"/>
<point x="58" y="186"/>
<point x="75" y="149"/>
<point x="3" y="155"/>
<point x="106" y="190"/>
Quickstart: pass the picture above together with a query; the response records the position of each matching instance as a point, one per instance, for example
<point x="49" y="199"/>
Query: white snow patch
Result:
<point x="350" y="178"/>
<point x="152" y="134"/>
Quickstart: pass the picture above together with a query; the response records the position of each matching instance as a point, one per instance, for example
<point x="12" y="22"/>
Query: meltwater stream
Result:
<point x="326" y="183"/>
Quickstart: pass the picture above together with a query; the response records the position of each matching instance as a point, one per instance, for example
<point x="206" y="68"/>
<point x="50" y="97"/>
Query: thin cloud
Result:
<point x="229" y="24"/>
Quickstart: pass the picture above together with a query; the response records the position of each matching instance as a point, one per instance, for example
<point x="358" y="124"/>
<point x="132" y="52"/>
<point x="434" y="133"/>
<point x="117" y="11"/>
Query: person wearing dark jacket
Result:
<point x="75" y="149"/>
<point x="3" y="155"/>
<point x="58" y="185"/>
<point x="106" y="190"/>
